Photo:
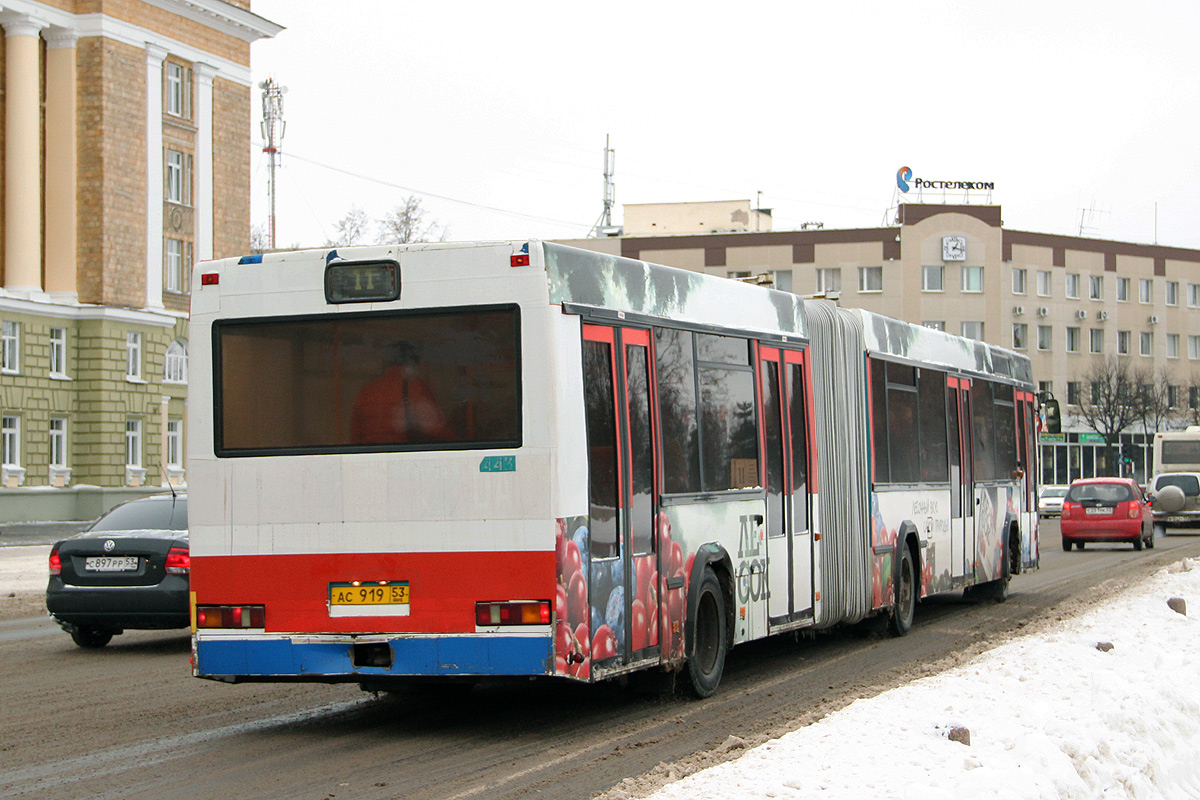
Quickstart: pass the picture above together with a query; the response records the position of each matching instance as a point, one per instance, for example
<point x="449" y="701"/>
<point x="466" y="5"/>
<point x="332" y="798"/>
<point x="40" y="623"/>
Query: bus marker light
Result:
<point x="210" y="279"/>
<point x="520" y="260"/>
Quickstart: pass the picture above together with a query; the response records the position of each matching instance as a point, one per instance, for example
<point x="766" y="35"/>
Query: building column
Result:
<point x="154" y="175"/>
<point x="61" y="163"/>
<point x="22" y="156"/>
<point x="205" y="211"/>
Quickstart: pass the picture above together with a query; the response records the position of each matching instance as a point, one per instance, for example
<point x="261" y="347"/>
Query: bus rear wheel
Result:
<point x="906" y="594"/>
<point x="706" y="651"/>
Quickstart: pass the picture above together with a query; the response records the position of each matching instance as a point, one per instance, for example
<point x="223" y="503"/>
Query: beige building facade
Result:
<point x="125" y="152"/>
<point x="1063" y="301"/>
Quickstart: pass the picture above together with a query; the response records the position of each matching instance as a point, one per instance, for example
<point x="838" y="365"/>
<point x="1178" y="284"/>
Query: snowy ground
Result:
<point x="1049" y="715"/>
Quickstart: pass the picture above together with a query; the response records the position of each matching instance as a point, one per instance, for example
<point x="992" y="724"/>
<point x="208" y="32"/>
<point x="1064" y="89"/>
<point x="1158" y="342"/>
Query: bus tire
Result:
<point x="905" y="606"/>
<point x="710" y="639"/>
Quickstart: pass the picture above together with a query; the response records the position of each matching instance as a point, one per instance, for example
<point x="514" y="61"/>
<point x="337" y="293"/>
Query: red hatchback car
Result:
<point x="1106" y="510"/>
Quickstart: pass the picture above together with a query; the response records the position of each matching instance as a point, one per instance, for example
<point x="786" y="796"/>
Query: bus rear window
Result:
<point x="448" y="379"/>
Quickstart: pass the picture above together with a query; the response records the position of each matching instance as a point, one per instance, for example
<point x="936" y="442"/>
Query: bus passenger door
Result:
<point x="962" y="497"/>
<point x="621" y="465"/>
<point x="785" y="437"/>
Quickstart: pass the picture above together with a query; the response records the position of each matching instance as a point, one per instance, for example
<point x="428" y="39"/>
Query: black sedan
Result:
<point x="128" y="570"/>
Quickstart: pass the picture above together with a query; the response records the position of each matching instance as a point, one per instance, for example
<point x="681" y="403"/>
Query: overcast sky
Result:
<point x="1084" y="115"/>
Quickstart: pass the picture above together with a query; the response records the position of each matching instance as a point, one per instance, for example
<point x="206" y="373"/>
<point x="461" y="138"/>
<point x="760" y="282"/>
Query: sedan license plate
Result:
<point x="369" y="599"/>
<point x="1098" y="510"/>
<point x="110" y="563"/>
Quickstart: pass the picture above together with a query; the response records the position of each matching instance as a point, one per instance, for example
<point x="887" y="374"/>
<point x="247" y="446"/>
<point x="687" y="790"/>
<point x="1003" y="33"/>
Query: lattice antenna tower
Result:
<point x="604" y="225"/>
<point x="273" y="126"/>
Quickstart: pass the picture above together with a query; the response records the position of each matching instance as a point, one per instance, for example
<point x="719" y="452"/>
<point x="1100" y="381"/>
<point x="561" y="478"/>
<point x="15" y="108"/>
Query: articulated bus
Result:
<point x="495" y="460"/>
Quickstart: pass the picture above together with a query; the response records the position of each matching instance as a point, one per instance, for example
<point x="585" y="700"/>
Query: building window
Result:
<point x="1043" y="283"/>
<point x="1019" y="281"/>
<point x="178" y="96"/>
<point x="176" y="274"/>
<point x="1193" y="295"/>
<point x="1123" y="290"/>
<point x="133" y="443"/>
<point x="1072" y="286"/>
<point x="1096" y="344"/>
<point x="829" y="279"/>
<point x="972" y="330"/>
<point x="1194" y="347"/>
<point x="1045" y="387"/>
<point x="1096" y="287"/>
<point x="58" y="352"/>
<point x="179" y="177"/>
<point x="1147" y="340"/>
<point x="935" y="324"/>
<point x="10" y="347"/>
<point x="1123" y="339"/>
<point x="10" y="441"/>
<point x="1172" y="396"/>
<point x="175" y="367"/>
<point x="1020" y="332"/>
<point x="1072" y="393"/>
<point x="1044" y="337"/>
<point x="1172" y="293"/>
<point x="58" y="442"/>
<point x="870" y="279"/>
<point x="931" y="279"/>
<point x="1072" y="340"/>
<point x="1194" y="397"/>
<point x="1145" y="290"/>
<point x="175" y="443"/>
<point x="1172" y="345"/>
<point x="972" y="279"/>
<point x="133" y="356"/>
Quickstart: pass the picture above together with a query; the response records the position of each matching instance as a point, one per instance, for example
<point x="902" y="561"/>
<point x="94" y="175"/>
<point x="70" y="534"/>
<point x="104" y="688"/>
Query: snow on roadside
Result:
<point x="1050" y="715"/>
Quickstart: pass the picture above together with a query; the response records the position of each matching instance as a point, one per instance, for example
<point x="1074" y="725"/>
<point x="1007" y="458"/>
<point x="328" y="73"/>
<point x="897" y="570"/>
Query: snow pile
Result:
<point x="1055" y="715"/>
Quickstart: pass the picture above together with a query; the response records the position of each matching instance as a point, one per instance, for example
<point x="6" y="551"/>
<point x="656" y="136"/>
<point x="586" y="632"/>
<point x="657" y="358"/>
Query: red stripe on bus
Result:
<point x="443" y="587"/>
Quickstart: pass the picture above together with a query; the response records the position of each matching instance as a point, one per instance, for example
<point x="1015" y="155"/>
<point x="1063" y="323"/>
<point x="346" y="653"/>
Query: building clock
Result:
<point x="954" y="248"/>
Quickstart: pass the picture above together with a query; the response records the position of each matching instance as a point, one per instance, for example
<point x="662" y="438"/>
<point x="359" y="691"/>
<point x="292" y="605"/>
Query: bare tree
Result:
<point x="350" y="229"/>
<point x="1156" y="412"/>
<point x="1110" y="403"/>
<point x="407" y="223"/>
<point x="258" y="239"/>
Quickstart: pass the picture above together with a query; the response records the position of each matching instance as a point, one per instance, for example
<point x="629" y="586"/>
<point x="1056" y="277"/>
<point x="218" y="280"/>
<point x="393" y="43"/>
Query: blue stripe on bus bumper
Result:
<point x="448" y="655"/>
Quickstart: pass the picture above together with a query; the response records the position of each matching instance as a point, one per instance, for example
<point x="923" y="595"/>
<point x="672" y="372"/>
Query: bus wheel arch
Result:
<point x="906" y="581"/>
<point x="708" y="626"/>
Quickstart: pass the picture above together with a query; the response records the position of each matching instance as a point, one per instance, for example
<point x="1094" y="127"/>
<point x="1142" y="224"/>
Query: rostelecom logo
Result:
<point x="903" y="176"/>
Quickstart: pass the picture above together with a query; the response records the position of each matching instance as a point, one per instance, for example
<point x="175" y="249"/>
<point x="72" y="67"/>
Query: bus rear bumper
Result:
<point x="345" y="658"/>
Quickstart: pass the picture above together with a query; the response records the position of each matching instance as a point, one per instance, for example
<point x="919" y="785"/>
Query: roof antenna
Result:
<point x="167" y="478"/>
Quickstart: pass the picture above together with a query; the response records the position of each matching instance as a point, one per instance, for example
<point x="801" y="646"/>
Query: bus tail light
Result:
<point x="231" y="616"/>
<point x="526" y="612"/>
<point x="55" y="562"/>
<point x="179" y="561"/>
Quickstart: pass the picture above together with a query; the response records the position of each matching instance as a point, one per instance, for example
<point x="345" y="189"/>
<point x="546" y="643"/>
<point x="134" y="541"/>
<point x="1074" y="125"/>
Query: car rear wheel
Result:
<point x="1139" y="543"/>
<point x="91" y="638"/>
<point x="1079" y="545"/>
<point x="1066" y="545"/>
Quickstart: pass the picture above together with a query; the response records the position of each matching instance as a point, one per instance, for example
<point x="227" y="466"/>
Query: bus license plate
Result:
<point x="110" y="563"/>
<point x="1100" y="510"/>
<point x="369" y="598"/>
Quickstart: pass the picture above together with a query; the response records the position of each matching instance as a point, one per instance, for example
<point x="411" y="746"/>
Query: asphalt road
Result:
<point x="130" y="722"/>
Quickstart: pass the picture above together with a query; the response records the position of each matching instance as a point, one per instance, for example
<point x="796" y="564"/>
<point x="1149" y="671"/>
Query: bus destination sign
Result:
<point x="362" y="281"/>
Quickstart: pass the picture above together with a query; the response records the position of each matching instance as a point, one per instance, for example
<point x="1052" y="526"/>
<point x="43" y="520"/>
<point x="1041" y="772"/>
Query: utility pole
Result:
<point x="272" y="133"/>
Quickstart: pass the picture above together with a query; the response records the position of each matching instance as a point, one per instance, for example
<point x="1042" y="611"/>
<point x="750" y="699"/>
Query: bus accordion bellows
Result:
<point x="497" y="460"/>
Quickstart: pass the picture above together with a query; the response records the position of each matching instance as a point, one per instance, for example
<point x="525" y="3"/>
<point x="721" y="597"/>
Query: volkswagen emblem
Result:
<point x="109" y="544"/>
